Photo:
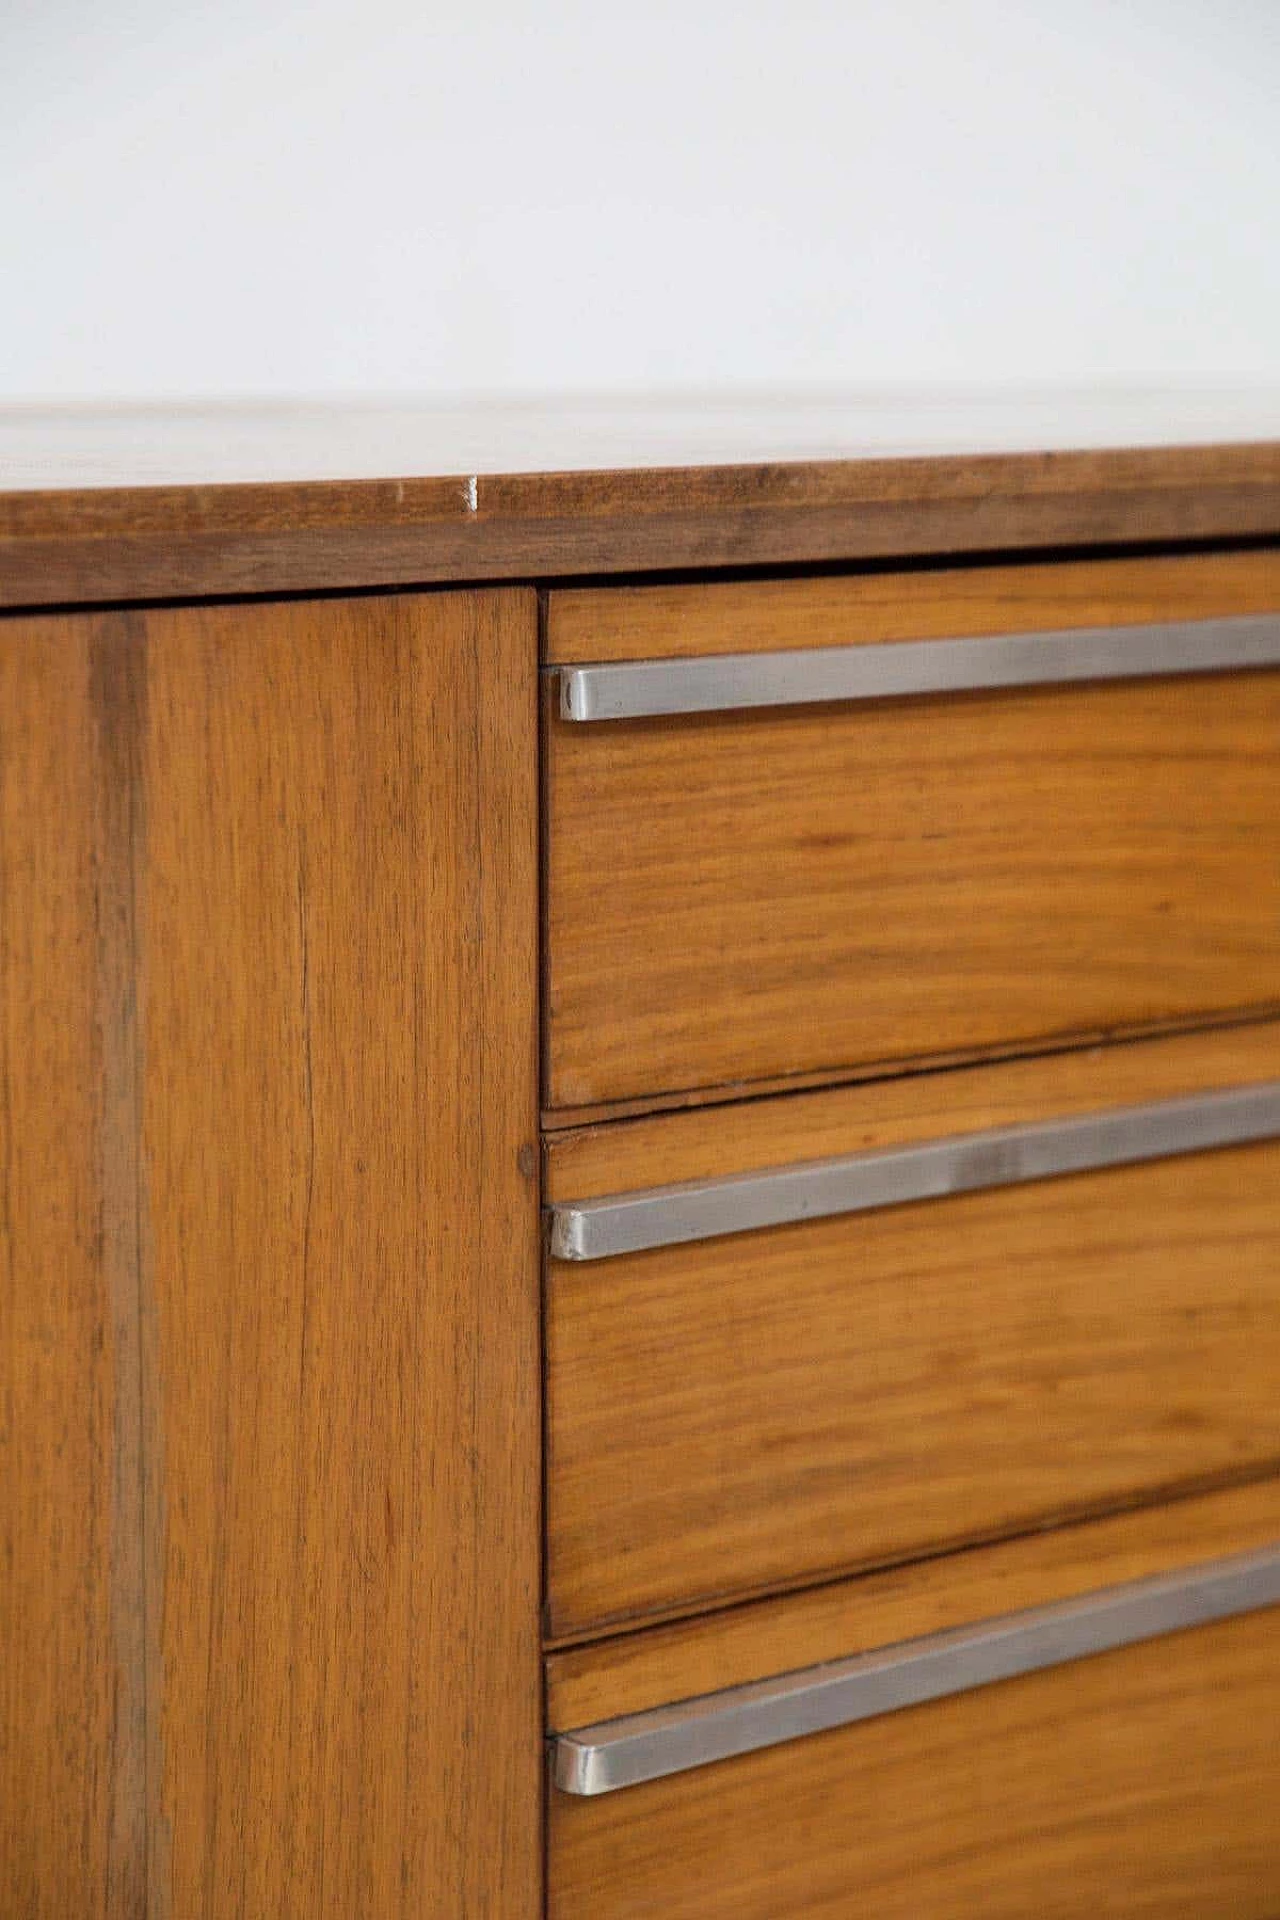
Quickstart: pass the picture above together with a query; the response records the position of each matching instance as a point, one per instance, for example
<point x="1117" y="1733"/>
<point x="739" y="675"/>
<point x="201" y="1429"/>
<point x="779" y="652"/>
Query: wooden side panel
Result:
<point x="740" y="897"/>
<point x="72" y="1765"/>
<point x="772" y="1407"/>
<point x="340" y="1127"/>
<point x="269" y="1422"/>
<point x="633" y="1672"/>
<point x="760" y="616"/>
<point x="1141" y="1782"/>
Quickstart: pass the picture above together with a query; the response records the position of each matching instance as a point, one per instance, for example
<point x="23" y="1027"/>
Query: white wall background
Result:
<point x="335" y="196"/>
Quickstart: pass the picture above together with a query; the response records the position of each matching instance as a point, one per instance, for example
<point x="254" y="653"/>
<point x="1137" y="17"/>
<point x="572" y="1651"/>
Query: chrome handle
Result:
<point x="817" y="1189"/>
<point x="718" y="1726"/>
<point x="635" y="689"/>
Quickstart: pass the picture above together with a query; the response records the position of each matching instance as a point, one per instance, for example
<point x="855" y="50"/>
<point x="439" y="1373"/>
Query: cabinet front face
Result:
<point x="267" y="1115"/>
<point x="981" y="1331"/>
<point x="850" y="851"/>
<point x="1140" y="1781"/>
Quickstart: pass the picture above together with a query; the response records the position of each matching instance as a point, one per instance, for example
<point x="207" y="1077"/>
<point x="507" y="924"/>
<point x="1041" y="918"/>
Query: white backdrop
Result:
<point x="306" y="197"/>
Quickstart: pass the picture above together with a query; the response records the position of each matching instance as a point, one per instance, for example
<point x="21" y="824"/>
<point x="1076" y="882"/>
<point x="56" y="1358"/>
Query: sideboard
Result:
<point x="640" y="1162"/>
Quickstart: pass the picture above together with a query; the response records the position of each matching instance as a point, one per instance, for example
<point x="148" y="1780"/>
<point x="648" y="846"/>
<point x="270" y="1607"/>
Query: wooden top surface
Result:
<point x="118" y="502"/>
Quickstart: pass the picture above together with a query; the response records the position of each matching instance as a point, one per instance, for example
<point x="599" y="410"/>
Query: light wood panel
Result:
<point x="736" y="897"/>
<point x="1139" y="1782"/>
<point x="662" y="622"/>
<point x="766" y="1408"/>
<point x="751" y="1135"/>
<point x="72" y="1628"/>
<point x="633" y="1672"/>
<point x="339" y="995"/>
<point x="271" y="1410"/>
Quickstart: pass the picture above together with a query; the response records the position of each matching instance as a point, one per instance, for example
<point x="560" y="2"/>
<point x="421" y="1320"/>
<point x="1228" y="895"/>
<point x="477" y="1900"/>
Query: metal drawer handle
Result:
<point x="718" y="1726"/>
<point x="1004" y="1156"/>
<point x="635" y="689"/>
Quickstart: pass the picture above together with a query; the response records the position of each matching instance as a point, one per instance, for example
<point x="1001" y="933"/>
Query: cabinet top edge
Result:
<point x="115" y="503"/>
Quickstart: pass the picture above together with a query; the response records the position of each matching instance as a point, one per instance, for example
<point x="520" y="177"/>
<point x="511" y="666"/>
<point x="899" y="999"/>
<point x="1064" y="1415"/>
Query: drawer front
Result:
<point x="755" y="1408"/>
<point x="787" y="889"/>
<point x="1140" y="1779"/>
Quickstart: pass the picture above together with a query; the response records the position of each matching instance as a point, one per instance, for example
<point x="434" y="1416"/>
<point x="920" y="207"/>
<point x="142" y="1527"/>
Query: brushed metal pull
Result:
<point x="719" y="1726"/>
<point x="1004" y="1156"/>
<point x="638" y="689"/>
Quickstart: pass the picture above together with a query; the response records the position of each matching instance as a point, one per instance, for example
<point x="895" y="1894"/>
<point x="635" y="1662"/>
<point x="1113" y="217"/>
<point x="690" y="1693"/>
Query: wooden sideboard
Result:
<point x="640" y="1163"/>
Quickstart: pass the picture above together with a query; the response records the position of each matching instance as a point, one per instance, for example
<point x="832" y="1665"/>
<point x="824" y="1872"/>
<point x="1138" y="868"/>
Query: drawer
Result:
<point x="1113" y="1751"/>
<point x="849" y="1328"/>
<point x="851" y="823"/>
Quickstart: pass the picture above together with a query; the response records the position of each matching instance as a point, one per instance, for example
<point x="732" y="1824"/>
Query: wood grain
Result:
<point x="1139" y="1782"/>
<point x="633" y="1672"/>
<point x="69" y="543"/>
<point x="579" y="1120"/>
<point x="735" y="897"/>
<point x="271" y="1068"/>
<point x="759" y="616"/>
<point x="72" y="1629"/>
<point x="339" y="1000"/>
<point x="776" y="1407"/>
<point x="750" y="1135"/>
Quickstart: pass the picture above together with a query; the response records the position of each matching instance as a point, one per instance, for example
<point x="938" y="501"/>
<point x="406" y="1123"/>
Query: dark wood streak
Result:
<point x="118" y="682"/>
